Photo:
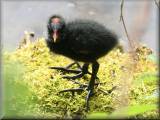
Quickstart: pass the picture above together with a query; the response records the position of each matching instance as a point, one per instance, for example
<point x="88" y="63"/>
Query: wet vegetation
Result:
<point x="32" y="88"/>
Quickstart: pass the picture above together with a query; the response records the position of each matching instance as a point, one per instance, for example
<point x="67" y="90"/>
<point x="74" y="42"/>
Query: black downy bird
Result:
<point x="80" y="40"/>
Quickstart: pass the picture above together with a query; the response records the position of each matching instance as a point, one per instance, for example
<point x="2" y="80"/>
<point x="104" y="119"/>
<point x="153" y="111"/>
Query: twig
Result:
<point x="157" y="3"/>
<point x="126" y="79"/>
<point x="122" y="19"/>
<point x="121" y="15"/>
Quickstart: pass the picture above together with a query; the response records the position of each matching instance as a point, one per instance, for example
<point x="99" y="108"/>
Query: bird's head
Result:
<point x="55" y="26"/>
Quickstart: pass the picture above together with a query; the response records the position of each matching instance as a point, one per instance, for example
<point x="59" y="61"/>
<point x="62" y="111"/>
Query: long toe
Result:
<point x="66" y="70"/>
<point x="73" y="90"/>
<point x="74" y="77"/>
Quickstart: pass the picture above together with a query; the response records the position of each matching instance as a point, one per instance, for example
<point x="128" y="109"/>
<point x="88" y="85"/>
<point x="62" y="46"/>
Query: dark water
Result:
<point x="18" y="16"/>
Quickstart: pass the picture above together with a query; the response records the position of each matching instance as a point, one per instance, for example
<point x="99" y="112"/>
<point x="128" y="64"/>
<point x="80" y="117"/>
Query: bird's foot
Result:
<point x="81" y="71"/>
<point x="91" y="93"/>
<point x="79" y="75"/>
<point x="80" y="90"/>
<point x="73" y="90"/>
<point x="66" y="70"/>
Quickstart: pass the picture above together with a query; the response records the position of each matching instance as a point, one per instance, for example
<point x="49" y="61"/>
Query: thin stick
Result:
<point x="157" y="3"/>
<point x="122" y="19"/>
<point x="121" y="15"/>
<point x="126" y="79"/>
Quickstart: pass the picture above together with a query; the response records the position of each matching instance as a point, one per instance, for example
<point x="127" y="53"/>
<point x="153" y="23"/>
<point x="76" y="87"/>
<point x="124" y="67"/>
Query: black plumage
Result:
<point x="80" y="40"/>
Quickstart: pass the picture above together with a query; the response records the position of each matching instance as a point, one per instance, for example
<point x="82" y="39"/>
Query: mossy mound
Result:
<point x="46" y="83"/>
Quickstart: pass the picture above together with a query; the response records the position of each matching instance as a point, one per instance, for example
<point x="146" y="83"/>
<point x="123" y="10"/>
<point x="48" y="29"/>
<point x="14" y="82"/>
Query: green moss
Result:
<point x="46" y="83"/>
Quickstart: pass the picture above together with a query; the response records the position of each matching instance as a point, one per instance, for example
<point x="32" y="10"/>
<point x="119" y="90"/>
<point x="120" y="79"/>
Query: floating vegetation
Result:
<point x="39" y="86"/>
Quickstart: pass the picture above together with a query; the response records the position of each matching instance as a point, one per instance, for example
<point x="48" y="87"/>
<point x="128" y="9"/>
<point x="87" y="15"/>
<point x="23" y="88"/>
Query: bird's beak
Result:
<point x="55" y="36"/>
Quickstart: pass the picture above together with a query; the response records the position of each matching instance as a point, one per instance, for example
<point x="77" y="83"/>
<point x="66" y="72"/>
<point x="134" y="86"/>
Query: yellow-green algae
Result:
<point x="45" y="83"/>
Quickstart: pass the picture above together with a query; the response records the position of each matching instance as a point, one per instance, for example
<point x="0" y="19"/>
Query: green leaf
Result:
<point x="97" y="115"/>
<point x="133" y="110"/>
<point x="149" y="78"/>
<point x="18" y="98"/>
<point x="152" y="57"/>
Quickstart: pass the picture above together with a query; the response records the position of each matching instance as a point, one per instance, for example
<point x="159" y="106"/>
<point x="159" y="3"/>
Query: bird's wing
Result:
<point x="83" y="47"/>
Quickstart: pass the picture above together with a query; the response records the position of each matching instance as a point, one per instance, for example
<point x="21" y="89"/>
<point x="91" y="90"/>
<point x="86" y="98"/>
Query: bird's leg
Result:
<point x="81" y="74"/>
<point x="66" y="69"/>
<point x="79" y="71"/>
<point x="95" y="67"/>
<point x="82" y="87"/>
<point x="90" y="86"/>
